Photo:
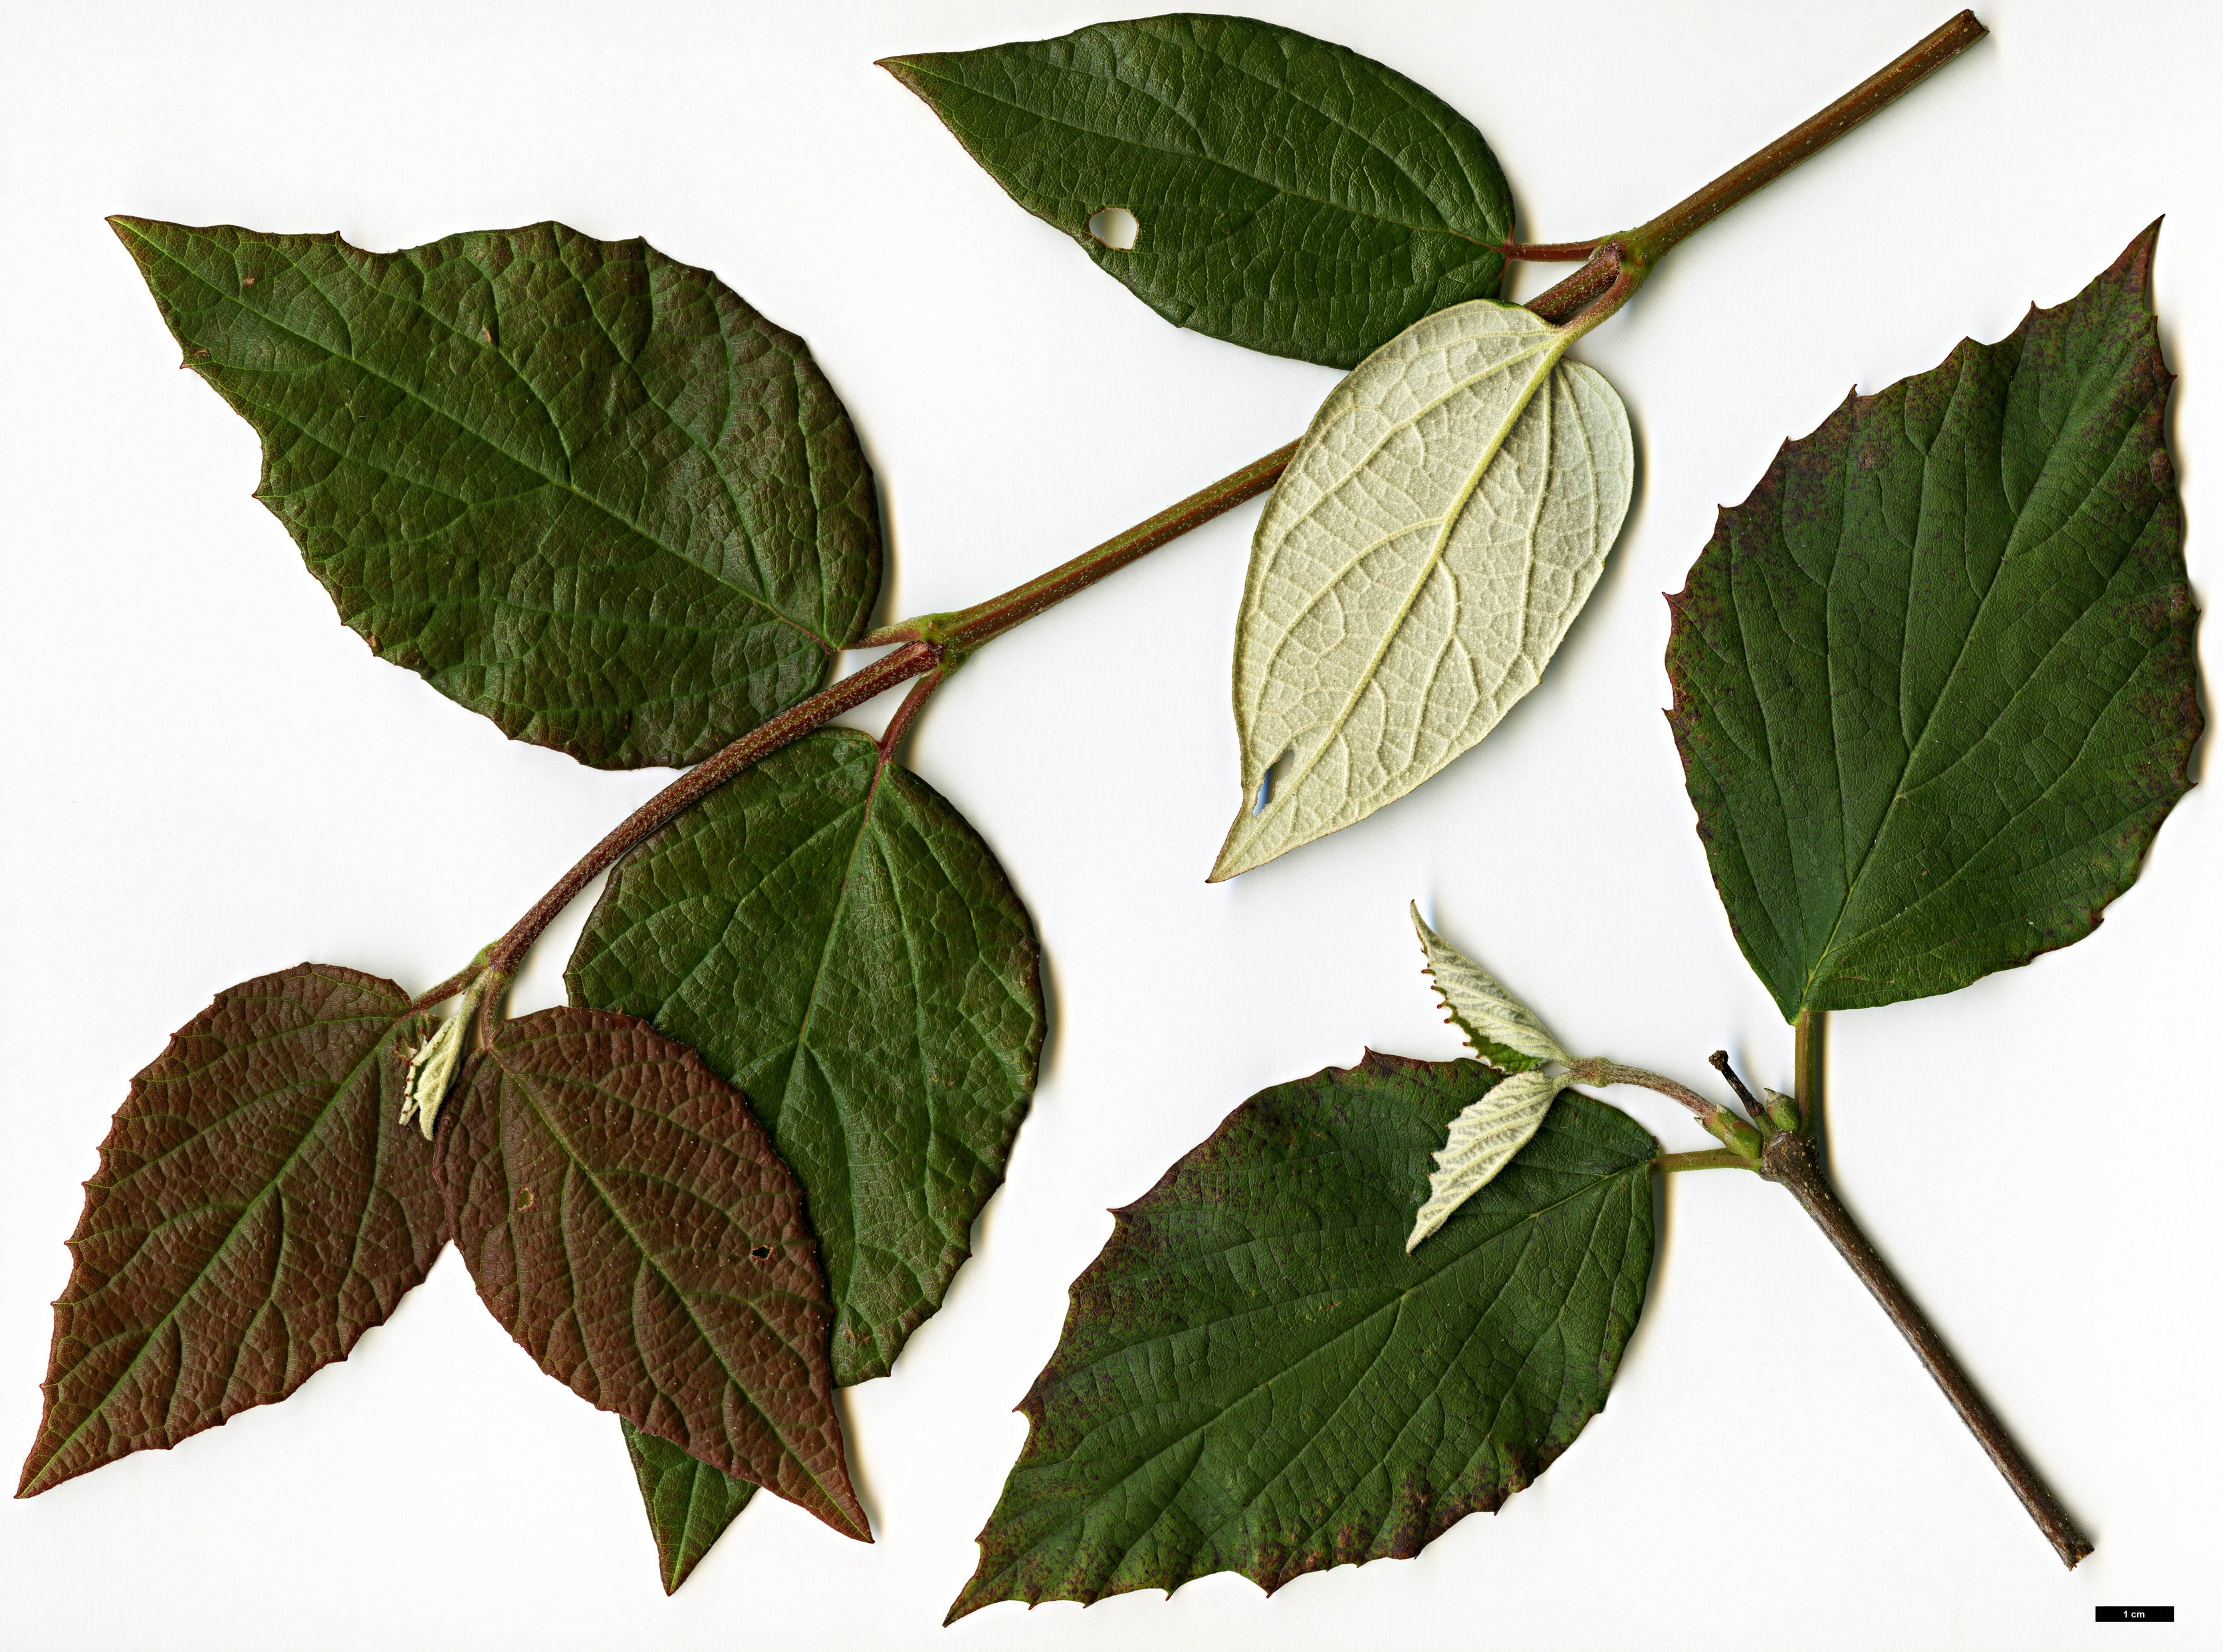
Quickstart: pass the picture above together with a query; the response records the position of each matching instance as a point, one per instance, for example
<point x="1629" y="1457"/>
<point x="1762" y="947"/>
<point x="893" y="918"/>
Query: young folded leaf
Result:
<point x="1254" y="1376"/>
<point x="690" y="1503"/>
<point x="1500" y="1028"/>
<point x="1291" y="195"/>
<point x="580" y="488"/>
<point x="831" y="936"/>
<point x="1934" y="680"/>
<point x="1440" y="526"/>
<point x="1481" y="1142"/>
<point x="627" y="1219"/>
<point x="255" y="1211"/>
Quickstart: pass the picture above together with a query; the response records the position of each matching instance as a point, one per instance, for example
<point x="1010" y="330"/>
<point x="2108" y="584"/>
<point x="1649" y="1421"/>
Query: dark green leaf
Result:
<point x="690" y="1503"/>
<point x="1934" y="679"/>
<point x="1254" y="1376"/>
<point x="580" y="488"/>
<point x="833" y="937"/>
<point x="1292" y="195"/>
<point x="255" y="1211"/>
<point x="627" y="1220"/>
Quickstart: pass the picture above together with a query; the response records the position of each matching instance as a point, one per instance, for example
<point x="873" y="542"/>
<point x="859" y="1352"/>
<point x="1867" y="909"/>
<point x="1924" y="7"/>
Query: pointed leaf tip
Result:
<point x="1334" y="1353"/>
<point x="896" y="1084"/>
<point x="1501" y="1029"/>
<point x="1296" y="197"/>
<point x="264" y="1130"/>
<point x="1934" y="683"/>
<point x="689" y="1504"/>
<point x="626" y="1218"/>
<point x="1481" y="1142"/>
<point x="639" y="528"/>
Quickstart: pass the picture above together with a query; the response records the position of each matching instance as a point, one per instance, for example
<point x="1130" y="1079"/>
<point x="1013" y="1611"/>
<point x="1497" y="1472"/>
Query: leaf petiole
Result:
<point x="1713" y="1159"/>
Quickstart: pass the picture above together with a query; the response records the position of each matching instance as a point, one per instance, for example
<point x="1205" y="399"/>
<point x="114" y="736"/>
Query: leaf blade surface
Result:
<point x="1934" y="681"/>
<point x="626" y="1219"/>
<point x="1293" y="196"/>
<point x="1442" y="523"/>
<point x="579" y="487"/>
<point x="255" y="1211"/>
<point x="689" y="1504"/>
<point x="833" y="936"/>
<point x="1255" y="1376"/>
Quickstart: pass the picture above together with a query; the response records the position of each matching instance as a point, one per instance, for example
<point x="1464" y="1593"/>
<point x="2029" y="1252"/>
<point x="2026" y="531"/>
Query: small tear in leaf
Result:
<point x="524" y="1198"/>
<point x="761" y="1252"/>
<point x="1276" y="776"/>
<point x="1116" y="227"/>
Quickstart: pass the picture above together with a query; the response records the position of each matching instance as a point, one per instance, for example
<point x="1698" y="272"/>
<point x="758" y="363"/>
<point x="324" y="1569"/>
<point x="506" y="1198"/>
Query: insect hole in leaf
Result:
<point x="1116" y="227"/>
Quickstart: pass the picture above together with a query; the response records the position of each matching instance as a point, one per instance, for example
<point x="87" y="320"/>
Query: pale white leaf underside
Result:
<point x="1480" y="1004"/>
<point x="1440" y="526"/>
<point x="1483" y="1139"/>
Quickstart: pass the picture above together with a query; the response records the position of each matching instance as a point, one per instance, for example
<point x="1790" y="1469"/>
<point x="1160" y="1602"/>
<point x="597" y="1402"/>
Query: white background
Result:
<point x="208" y="780"/>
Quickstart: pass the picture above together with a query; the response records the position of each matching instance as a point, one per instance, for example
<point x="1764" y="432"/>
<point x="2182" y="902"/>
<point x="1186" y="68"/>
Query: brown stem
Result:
<point x="1619" y="264"/>
<point x="913" y="703"/>
<point x="1547" y="252"/>
<point x="908" y="661"/>
<point x="448" y="988"/>
<point x="1792" y="1159"/>
<point x="967" y="628"/>
<point x="1596" y="1069"/>
<point x="1562" y="303"/>
<point x="1895" y="79"/>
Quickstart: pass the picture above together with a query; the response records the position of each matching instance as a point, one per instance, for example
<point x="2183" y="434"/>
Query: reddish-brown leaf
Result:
<point x="255" y="1211"/>
<point x="627" y="1219"/>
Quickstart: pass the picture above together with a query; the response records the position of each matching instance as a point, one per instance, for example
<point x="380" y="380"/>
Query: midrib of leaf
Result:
<point x="1524" y="1228"/>
<point x="1398" y="428"/>
<point x="810" y="1012"/>
<point x="2007" y="553"/>
<point x="221" y="1247"/>
<point x="648" y="1256"/>
<point x="1447" y="525"/>
<point x="1228" y="167"/>
<point x="677" y="1574"/>
<point x="555" y="426"/>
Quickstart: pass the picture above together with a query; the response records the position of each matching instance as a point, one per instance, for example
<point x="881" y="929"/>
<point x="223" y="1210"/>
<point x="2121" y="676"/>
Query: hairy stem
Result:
<point x="969" y="629"/>
<point x="907" y="713"/>
<point x="1596" y="1069"/>
<point x="1546" y="252"/>
<point x="1807" y="139"/>
<point x="1619" y="264"/>
<point x="912" y="659"/>
<point x="1790" y="1158"/>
